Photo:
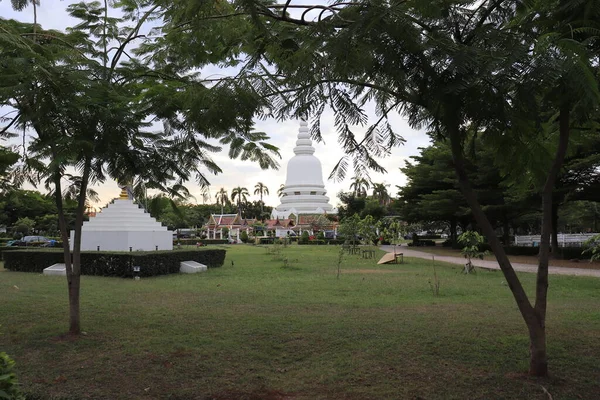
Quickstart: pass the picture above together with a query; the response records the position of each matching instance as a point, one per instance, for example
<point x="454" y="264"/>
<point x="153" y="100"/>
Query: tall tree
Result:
<point x="280" y="190"/>
<point x="380" y="192"/>
<point x="434" y="62"/>
<point x="240" y="194"/>
<point x="359" y="186"/>
<point x="222" y="198"/>
<point x="261" y="189"/>
<point x="20" y="5"/>
<point x="88" y="108"/>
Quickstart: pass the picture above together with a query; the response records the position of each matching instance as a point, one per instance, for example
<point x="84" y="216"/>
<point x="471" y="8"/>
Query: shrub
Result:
<point x="116" y="264"/>
<point x="429" y="237"/>
<point x="4" y="249"/>
<point x="192" y="242"/>
<point x="267" y="240"/>
<point x="304" y="238"/>
<point x="314" y="242"/>
<point x="574" y="253"/>
<point x="472" y="242"/>
<point x="9" y="388"/>
<point x="244" y="237"/>
<point x="320" y="236"/>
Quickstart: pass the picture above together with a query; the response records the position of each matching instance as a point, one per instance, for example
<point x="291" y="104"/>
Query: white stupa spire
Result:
<point x="304" y="143"/>
<point x="304" y="191"/>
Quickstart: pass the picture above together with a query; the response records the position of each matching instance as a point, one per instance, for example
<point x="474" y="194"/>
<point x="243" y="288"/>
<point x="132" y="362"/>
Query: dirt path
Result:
<point x="493" y="264"/>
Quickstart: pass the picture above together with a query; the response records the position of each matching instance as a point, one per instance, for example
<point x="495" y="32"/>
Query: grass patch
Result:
<point x="255" y="329"/>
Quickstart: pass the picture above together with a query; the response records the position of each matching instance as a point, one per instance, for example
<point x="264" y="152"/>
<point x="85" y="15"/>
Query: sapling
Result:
<point x="471" y="241"/>
<point x="593" y="247"/>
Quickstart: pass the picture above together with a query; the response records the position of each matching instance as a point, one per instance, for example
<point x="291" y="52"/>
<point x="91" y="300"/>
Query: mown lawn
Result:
<point x="254" y="329"/>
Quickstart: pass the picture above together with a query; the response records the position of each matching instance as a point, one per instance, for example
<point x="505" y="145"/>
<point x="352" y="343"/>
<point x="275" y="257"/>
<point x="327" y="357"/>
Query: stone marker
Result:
<point x="191" y="267"/>
<point x="56" y="269"/>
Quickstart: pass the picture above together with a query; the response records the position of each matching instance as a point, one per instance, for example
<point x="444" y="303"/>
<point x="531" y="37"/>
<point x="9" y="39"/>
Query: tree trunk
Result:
<point x="554" y="229"/>
<point x="538" y="362"/>
<point x="523" y="303"/>
<point x="453" y="235"/>
<point x="74" y="278"/>
<point x="505" y="230"/>
<point x="74" y="327"/>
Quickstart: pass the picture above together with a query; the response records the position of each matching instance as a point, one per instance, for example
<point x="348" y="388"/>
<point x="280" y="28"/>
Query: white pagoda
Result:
<point x="304" y="191"/>
<point x="124" y="226"/>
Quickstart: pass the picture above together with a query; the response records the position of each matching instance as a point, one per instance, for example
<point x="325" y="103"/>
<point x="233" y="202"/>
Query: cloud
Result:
<point x="52" y="14"/>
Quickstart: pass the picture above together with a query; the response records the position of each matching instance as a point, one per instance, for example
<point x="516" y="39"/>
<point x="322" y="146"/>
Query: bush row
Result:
<point x="566" y="253"/>
<point x="115" y="264"/>
<point x="428" y="237"/>
<point x="192" y="242"/>
<point x="422" y="243"/>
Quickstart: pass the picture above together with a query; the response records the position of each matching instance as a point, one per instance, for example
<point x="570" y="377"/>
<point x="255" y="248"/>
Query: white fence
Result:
<point x="564" y="239"/>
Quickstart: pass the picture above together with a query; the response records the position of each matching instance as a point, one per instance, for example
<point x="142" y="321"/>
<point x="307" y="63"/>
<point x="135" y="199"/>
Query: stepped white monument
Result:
<point x="304" y="191"/>
<point x="124" y="226"/>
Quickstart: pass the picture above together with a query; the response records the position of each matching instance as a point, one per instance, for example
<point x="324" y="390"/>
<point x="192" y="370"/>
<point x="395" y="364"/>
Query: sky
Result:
<point x="52" y="15"/>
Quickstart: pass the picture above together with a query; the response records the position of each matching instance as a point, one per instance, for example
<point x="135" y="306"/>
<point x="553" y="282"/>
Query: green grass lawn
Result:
<point x="256" y="330"/>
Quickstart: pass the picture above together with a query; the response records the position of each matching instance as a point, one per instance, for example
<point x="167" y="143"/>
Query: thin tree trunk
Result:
<point x="34" y="20"/>
<point x="453" y="235"/>
<point x="505" y="230"/>
<point x="75" y="282"/>
<point x="527" y="311"/>
<point x="554" y="229"/>
<point x="539" y="362"/>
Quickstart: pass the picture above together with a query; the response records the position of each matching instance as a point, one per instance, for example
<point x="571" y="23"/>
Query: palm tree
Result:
<point x="280" y="190"/>
<point x="19" y="5"/>
<point x="360" y="186"/>
<point x="222" y="198"/>
<point x="381" y="193"/>
<point x="261" y="189"/>
<point x="241" y="194"/>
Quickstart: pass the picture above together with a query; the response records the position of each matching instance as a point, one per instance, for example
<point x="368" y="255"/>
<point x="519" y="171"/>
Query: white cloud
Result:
<point x="52" y="14"/>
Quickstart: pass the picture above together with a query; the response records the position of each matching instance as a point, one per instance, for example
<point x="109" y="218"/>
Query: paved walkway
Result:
<point x="492" y="264"/>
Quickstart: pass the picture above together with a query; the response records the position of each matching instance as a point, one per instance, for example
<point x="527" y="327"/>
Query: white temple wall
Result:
<point x="122" y="241"/>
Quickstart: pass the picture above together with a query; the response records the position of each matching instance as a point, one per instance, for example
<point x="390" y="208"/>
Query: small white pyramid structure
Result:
<point x="123" y="225"/>
<point x="304" y="191"/>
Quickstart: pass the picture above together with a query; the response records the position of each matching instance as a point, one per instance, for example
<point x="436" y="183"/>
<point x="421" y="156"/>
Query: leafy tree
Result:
<point x="350" y="228"/>
<point x="350" y="204"/>
<point x="88" y="109"/>
<point x="260" y="189"/>
<point x="47" y="224"/>
<point x="241" y="195"/>
<point x="280" y="190"/>
<point x="304" y="237"/>
<point x="471" y="241"/>
<point x="368" y="230"/>
<point x="9" y="386"/>
<point x="244" y="237"/>
<point x="222" y="198"/>
<point x="24" y="226"/>
<point x="593" y="247"/>
<point x="380" y="192"/>
<point x="359" y="186"/>
<point x="434" y="62"/>
<point x="7" y="160"/>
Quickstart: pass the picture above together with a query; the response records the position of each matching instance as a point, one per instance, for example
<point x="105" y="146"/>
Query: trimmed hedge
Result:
<point x="313" y="242"/>
<point x="429" y="237"/>
<point x="4" y="249"/>
<point x="192" y="242"/>
<point x="115" y="264"/>
<point x="573" y="253"/>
